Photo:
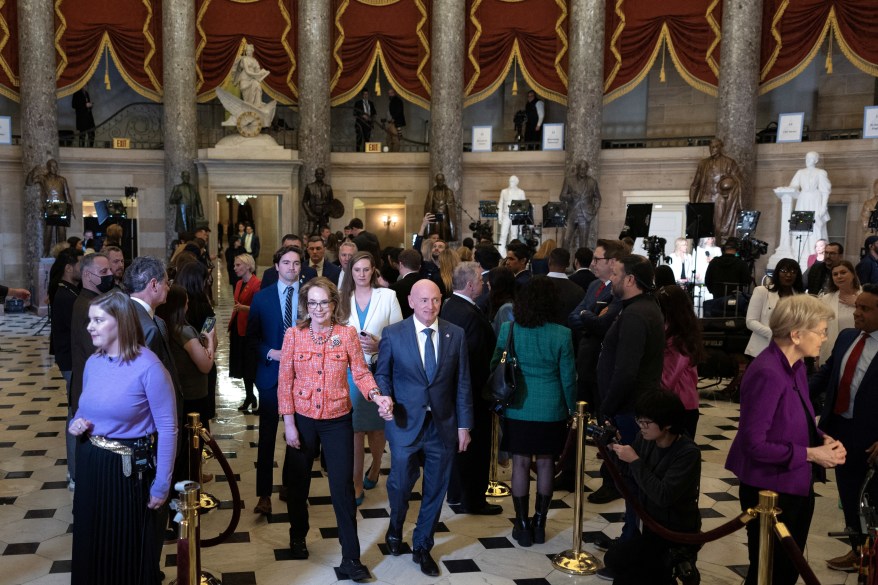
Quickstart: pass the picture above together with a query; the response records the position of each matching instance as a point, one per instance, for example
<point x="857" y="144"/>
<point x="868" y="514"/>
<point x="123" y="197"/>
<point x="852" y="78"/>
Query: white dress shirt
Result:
<point x="869" y="351"/>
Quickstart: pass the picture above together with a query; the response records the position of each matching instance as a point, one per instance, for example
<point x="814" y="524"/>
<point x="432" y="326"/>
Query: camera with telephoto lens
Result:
<point x="655" y="248"/>
<point x="752" y="249"/>
<point x="681" y="561"/>
<point x="482" y="230"/>
<point x="602" y="434"/>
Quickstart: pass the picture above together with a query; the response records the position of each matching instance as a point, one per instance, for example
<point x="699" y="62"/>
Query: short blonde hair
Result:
<point x="797" y="313"/>
<point x="465" y="254"/>
<point x="248" y="260"/>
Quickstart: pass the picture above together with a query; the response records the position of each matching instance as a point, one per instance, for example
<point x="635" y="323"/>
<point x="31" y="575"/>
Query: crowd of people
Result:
<point x="395" y="346"/>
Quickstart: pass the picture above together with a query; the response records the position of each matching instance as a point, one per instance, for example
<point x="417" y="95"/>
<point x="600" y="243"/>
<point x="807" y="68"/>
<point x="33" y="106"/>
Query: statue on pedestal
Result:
<point x="718" y="181"/>
<point x="869" y="207"/>
<point x="57" y="205"/>
<point x="507" y="196"/>
<point x="190" y="213"/>
<point x="442" y="203"/>
<point x="248" y="113"/>
<point x="317" y="202"/>
<point x="582" y="196"/>
<point x="814" y="189"/>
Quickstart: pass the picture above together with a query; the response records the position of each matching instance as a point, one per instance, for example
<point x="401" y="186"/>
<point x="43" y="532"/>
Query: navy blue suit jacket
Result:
<point x="400" y="374"/>
<point x="866" y="402"/>
<point x="265" y="331"/>
<point x="269" y="277"/>
<point x="330" y="271"/>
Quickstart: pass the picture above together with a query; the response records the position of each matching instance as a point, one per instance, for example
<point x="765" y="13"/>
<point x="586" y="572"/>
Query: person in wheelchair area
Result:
<point x="665" y="466"/>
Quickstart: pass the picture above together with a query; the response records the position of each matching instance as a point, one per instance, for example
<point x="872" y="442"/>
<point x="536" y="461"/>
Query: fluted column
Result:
<point x="738" y="87"/>
<point x="446" y="103"/>
<point x="585" y="90"/>
<point x="314" y="113"/>
<point x="179" y="119"/>
<point x="39" y="116"/>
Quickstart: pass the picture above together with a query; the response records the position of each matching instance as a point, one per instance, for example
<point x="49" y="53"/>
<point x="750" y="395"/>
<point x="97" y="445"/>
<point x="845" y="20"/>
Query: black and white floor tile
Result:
<point x="36" y="506"/>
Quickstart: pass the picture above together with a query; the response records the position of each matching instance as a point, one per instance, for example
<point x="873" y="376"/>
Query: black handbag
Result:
<point x="502" y="383"/>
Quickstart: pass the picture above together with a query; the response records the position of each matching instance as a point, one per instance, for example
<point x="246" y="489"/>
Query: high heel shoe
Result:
<point x="247" y="402"/>
<point x="359" y="499"/>
<point x="368" y="483"/>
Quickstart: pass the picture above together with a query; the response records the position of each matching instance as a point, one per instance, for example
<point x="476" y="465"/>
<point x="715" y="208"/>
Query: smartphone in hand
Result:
<point x="208" y="326"/>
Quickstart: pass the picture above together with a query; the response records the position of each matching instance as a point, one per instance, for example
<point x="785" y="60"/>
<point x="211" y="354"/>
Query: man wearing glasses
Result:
<point x="818" y="276"/>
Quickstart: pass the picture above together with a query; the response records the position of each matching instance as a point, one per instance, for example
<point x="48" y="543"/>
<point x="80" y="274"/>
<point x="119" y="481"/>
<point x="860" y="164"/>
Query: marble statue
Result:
<point x="54" y="192"/>
<point x="582" y="196"/>
<point x="441" y="200"/>
<point x="317" y="202"/>
<point x="248" y="76"/>
<point x="718" y="180"/>
<point x="190" y="213"/>
<point x="869" y="206"/>
<point x="248" y="113"/>
<point x="507" y="196"/>
<point x="814" y="188"/>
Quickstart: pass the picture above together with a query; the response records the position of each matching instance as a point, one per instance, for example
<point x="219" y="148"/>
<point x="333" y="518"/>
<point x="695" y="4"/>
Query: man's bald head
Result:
<point x="425" y="300"/>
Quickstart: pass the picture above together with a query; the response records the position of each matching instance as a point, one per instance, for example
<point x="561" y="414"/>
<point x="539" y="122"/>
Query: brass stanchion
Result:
<point x="576" y="561"/>
<point x="767" y="512"/>
<point x="496" y="489"/>
<point x="188" y="537"/>
<point x="196" y="459"/>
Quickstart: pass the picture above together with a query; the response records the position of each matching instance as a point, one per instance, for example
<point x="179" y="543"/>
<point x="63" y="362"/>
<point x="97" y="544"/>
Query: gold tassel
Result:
<point x="377" y="80"/>
<point x="662" y="76"/>
<point x="829" y="54"/>
<point x="514" y="76"/>
<point x="107" y="67"/>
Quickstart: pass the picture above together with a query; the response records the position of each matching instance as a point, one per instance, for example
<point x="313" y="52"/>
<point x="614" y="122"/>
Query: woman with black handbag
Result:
<point x="545" y="393"/>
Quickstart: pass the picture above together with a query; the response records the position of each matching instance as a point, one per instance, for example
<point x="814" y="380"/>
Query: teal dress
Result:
<point x="365" y="413"/>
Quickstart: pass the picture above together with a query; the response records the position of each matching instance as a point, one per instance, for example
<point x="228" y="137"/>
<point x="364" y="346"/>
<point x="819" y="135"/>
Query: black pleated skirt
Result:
<point x="114" y="534"/>
<point x="525" y="437"/>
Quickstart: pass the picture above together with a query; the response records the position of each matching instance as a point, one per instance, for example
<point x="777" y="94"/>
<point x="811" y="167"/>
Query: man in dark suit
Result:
<point x="269" y="277"/>
<point x="250" y="243"/>
<point x="488" y="257"/>
<point x="365" y="241"/>
<point x="469" y="475"/>
<point x="364" y="119"/>
<point x="409" y="274"/>
<point x="569" y="293"/>
<point x="432" y="414"/>
<point x="850" y="413"/>
<point x="517" y="257"/>
<point x="317" y="260"/>
<point x="582" y="275"/>
<point x="272" y="311"/>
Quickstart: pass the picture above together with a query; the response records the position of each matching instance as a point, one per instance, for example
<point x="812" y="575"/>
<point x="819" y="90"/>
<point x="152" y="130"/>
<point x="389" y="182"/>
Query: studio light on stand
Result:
<point x="801" y="223"/>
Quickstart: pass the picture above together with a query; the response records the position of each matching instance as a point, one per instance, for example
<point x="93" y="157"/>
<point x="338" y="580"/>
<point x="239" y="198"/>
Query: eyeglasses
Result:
<point x="315" y="304"/>
<point x="786" y="271"/>
<point x="821" y="334"/>
<point x="643" y="422"/>
<point x="596" y="259"/>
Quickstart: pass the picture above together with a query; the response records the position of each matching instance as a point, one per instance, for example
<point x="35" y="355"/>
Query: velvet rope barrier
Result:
<point x="233" y="486"/>
<point x="680" y="537"/>
<point x="794" y="553"/>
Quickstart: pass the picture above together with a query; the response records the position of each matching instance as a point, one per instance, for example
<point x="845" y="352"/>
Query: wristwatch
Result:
<point x="373" y="393"/>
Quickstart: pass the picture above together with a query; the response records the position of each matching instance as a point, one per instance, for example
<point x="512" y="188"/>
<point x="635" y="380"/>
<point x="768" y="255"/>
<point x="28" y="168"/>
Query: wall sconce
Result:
<point x="389" y="220"/>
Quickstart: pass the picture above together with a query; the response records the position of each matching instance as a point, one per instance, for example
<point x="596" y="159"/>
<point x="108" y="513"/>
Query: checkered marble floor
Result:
<point x="36" y="507"/>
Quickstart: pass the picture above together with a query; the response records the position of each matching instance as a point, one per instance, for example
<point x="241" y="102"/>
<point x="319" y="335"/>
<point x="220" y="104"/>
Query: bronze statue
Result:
<point x="718" y="180"/>
<point x="317" y="202"/>
<point x="441" y="203"/>
<point x="869" y="206"/>
<point x="582" y="196"/>
<point x="190" y="214"/>
<point x="57" y="202"/>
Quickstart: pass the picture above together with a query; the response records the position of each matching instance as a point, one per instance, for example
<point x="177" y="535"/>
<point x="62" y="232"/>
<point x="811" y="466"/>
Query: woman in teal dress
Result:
<point x="370" y="309"/>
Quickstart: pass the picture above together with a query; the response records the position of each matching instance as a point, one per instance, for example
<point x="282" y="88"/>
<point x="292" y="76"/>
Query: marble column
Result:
<point x="39" y="118"/>
<point x="585" y="91"/>
<point x="738" y="87"/>
<point x="179" y="120"/>
<point x="446" y="102"/>
<point x="314" y="114"/>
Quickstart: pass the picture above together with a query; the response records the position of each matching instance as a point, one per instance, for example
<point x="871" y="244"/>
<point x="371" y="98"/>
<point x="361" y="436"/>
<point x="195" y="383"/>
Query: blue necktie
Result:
<point x="288" y="308"/>
<point x="429" y="355"/>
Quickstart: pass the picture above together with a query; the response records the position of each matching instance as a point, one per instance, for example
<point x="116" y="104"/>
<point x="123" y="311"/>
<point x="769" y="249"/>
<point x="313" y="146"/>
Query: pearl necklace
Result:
<point x="314" y="338"/>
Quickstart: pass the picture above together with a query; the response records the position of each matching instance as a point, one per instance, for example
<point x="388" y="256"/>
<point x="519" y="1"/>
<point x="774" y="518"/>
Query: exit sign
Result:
<point x="373" y="147"/>
<point x="121" y="143"/>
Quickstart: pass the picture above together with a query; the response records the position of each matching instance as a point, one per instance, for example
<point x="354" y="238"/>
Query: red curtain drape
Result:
<point x="640" y="31"/>
<point x="532" y="33"/>
<point x="130" y="29"/>
<point x="9" y="50"/>
<point x="395" y="34"/>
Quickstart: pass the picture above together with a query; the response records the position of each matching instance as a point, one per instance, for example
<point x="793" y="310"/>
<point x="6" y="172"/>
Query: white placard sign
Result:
<point x="482" y="139"/>
<point x="870" y="122"/>
<point x="5" y="130"/>
<point x="553" y="136"/>
<point x="789" y="127"/>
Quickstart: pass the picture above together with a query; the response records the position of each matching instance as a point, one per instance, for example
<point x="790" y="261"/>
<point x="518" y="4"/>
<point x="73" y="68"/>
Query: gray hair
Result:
<point x="464" y="273"/>
<point x="87" y="261"/>
<point x="142" y="270"/>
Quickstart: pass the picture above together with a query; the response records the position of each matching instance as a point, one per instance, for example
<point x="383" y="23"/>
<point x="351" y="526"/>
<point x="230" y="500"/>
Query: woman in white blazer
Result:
<point x="844" y="286"/>
<point x="787" y="280"/>
<point x="370" y="309"/>
<point x="680" y="261"/>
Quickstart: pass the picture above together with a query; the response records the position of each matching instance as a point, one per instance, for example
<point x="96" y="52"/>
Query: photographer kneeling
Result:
<point x="665" y="465"/>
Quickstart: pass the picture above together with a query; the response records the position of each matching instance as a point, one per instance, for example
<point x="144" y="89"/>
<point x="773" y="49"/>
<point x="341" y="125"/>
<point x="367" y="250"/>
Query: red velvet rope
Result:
<point x="233" y="486"/>
<point x="795" y="555"/>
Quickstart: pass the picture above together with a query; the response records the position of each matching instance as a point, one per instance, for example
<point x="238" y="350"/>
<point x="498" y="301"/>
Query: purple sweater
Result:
<point x="769" y="451"/>
<point x="127" y="401"/>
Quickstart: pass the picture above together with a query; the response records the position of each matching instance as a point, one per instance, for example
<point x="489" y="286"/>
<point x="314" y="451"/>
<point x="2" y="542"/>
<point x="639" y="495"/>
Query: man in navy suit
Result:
<point x="269" y="277"/>
<point x="409" y="274"/>
<point x="850" y="412"/>
<point x="317" y="260"/>
<point x="272" y="311"/>
<point x="432" y="414"/>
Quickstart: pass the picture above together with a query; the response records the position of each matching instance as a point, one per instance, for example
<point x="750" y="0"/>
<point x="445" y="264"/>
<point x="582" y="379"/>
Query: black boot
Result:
<point x="521" y="528"/>
<point x="538" y="523"/>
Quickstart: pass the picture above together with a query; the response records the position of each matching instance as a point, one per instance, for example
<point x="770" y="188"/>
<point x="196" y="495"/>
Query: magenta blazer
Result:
<point x="769" y="451"/>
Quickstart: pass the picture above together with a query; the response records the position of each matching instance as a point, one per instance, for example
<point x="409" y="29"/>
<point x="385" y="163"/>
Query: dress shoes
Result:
<point x="849" y="563"/>
<point x="299" y="552"/>
<point x="486" y="510"/>
<point x="263" y="506"/>
<point x="354" y="570"/>
<point x="428" y="565"/>
<point x="282" y="493"/>
<point x="394" y="544"/>
<point x="604" y="494"/>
